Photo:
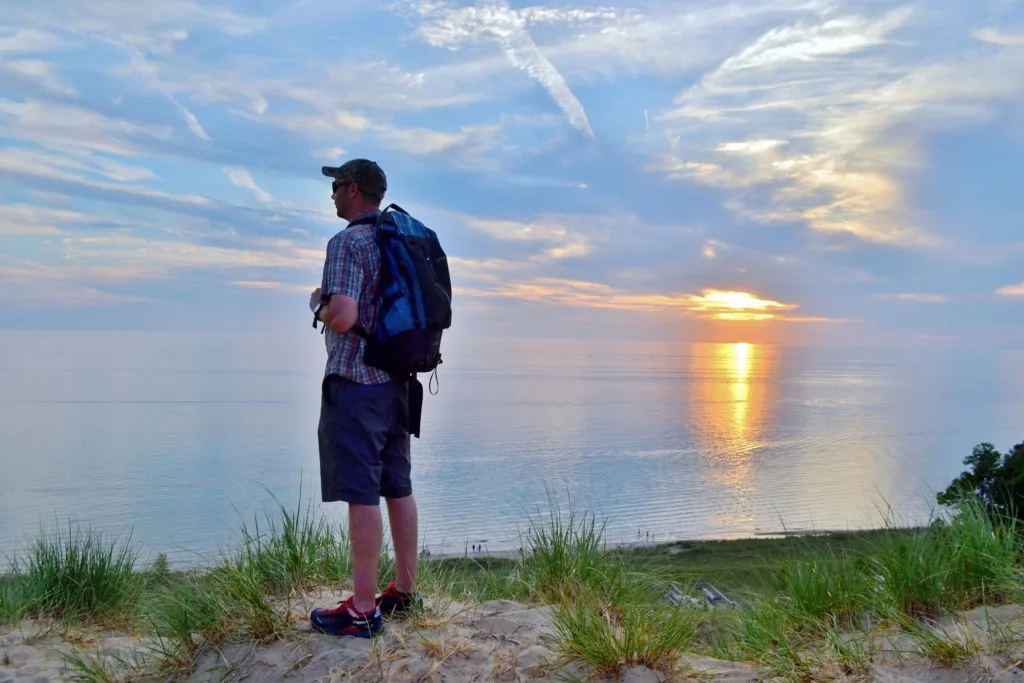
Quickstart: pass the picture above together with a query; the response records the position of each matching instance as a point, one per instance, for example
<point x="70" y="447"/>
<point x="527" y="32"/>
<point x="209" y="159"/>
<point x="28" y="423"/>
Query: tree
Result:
<point x="996" y="480"/>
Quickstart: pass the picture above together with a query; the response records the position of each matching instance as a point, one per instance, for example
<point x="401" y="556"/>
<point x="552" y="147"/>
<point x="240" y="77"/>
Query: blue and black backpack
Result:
<point x="414" y="296"/>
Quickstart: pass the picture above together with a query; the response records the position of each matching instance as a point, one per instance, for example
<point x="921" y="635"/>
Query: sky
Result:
<point x="792" y="171"/>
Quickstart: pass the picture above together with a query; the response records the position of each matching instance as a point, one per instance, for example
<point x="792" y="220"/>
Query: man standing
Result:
<point x="364" y="414"/>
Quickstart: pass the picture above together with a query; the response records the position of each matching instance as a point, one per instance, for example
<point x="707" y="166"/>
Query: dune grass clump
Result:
<point x="563" y="555"/>
<point x="186" y="617"/>
<point x="611" y="635"/>
<point x="826" y="585"/>
<point x="949" y="565"/>
<point x="607" y="614"/>
<point x="294" y="551"/>
<point x="12" y="599"/>
<point x="75" y="575"/>
<point x="246" y="596"/>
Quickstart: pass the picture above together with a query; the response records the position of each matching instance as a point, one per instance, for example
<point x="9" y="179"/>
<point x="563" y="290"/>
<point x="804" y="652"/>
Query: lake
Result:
<point x="179" y="438"/>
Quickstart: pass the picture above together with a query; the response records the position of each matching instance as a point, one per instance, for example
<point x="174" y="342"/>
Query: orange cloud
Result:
<point x="711" y="304"/>
<point x="271" y="284"/>
<point x="1012" y="290"/>
<point x="920" y="298"/>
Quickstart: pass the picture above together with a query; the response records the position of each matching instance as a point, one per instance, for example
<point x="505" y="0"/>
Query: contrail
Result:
<point x="146" y="70"/>
<point x="523" y="53"/>
<point x="495" y="19"/>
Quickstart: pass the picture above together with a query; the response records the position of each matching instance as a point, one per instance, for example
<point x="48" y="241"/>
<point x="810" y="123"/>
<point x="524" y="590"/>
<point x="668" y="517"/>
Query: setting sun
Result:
<point x="732" y="305"/>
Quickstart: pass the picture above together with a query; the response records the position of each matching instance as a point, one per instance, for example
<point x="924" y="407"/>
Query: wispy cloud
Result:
<point x="243" y="179"/>
<point x="30" y="284"/>
<point x="287" y="287"/>
<point x="830" y="92"/>
<point x="451" y="26"/>
<point x="158" y="257"/>
<point x="35" y="71"/>
<point x="995" y="37"/>
<point x="916" y="297"/>
<point x="148" y="72"/>
<point x="733" y="306"/>
<point x="1012" y="290"/>
<point x="156" y="29"/>
<point x="24" y="219"/>
<point x="565" y="236"/>
<point x="68" y="128"/>
<point x="29" y="40"/>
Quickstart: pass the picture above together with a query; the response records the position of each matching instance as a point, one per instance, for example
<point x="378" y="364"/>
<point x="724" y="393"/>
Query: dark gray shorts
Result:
<point x="364" y="441"/>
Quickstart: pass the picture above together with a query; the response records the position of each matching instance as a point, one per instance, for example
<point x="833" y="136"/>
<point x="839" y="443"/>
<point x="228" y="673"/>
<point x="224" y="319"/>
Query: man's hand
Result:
<point x="314" y="298"/>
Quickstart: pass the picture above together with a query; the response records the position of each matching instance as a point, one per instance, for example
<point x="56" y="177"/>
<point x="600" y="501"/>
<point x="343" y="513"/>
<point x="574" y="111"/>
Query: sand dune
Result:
<point x="453" y="643"/>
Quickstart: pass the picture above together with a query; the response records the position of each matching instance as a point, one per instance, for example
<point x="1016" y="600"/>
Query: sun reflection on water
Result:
<point x="733" y="392"/>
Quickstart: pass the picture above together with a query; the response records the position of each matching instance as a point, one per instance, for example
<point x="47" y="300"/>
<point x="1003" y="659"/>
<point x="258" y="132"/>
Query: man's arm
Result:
<point x="340" y="314"/>
<point x="343" y="282"/>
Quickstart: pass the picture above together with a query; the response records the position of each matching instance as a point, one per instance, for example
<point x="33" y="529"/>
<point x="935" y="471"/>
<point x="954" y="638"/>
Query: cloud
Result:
<point x="994" y="37"/>
<point x="567" y="236"/>
<point x="158" y="257"/>
<point x="710" y="250"/>
<point x="243" y="179"/>
<point x="32" y="71"/>
<point x="486" y="270"/>
<point x="149" y="74"/>
<point x="68" y="128"/>
<point x="919" y="298"/>
<point x="77" y="160"/>
<point x="712" y="304"/>
<point x="30" y="41"/>
<point x="29" y="284"/>
<point x="818" y="120"/>
<point x="24" y="219"/>
<point x="156" y="29"/>
<point x="424" y="141"/>
<point x="495" y="20"/>
<point x="1012" y="290"/>
<point x="290" y="288"/>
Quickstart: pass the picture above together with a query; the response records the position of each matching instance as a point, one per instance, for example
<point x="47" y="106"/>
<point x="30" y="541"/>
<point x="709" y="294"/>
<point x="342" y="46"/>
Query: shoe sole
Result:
<point x="350" y="634"/>
<point x="319" y="627"/>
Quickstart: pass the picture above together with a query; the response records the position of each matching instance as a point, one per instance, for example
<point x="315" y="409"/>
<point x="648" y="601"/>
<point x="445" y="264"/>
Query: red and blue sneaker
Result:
<point x="346" y="620"/>
<point x="392" y="602"/>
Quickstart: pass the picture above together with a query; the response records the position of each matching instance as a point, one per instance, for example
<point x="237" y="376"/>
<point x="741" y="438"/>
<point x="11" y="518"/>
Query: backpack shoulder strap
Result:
<point x="366" y="220"/>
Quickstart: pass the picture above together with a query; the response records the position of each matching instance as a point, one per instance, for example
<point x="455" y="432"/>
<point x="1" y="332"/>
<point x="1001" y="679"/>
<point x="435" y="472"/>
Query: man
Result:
<point x="364" y="430"/>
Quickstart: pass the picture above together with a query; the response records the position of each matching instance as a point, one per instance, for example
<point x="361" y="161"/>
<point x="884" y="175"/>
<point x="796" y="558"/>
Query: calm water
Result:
<point x="180" y="437"/>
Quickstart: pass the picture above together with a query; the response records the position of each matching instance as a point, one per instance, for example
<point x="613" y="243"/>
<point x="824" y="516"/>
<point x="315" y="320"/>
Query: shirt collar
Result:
<point x="365" y="214"/>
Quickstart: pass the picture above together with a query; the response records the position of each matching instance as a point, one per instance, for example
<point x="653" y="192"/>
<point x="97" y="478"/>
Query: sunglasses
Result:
<point x="338" y="184"/>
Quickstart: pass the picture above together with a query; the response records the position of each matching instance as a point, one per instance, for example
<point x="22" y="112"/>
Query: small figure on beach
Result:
<point x="370" y="401"/>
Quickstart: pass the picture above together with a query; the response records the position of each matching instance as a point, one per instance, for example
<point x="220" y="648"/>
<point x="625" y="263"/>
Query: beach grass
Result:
<point x="295" y="549"/>
<point x="73" y="575"/>
<point x="12" y="599"/>
<point x="802" y="605"/>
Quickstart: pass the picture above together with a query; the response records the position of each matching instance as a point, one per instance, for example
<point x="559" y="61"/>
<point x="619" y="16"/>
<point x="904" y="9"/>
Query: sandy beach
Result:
<point x="458" y="643"/>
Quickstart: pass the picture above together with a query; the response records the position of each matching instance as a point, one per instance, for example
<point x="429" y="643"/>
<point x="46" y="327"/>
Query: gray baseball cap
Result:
<point x="365" y="173"/>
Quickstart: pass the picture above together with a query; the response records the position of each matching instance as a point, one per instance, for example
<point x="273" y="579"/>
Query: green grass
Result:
<point x="562" y="554"/>
<point x="610" y="635"/>
<point x="85" y="667"/>
<point x="806" y="605"/>
<point x="12" y="599"/>
<point x="76" y="575"/>
<point x="946" y="567"/>
<point x="187" y="616"/>
<point x="295" y="550"/>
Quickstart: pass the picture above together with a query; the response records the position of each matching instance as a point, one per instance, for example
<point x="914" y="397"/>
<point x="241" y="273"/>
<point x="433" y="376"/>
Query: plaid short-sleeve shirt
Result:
<point x="351" y="269"/>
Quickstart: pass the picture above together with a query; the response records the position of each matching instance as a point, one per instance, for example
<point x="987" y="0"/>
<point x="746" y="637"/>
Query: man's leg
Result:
<point x="366" y="531"/>
<point x="351" y="435"/>
<point x="404" y="520"/>
<point x="396" y="488"/>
